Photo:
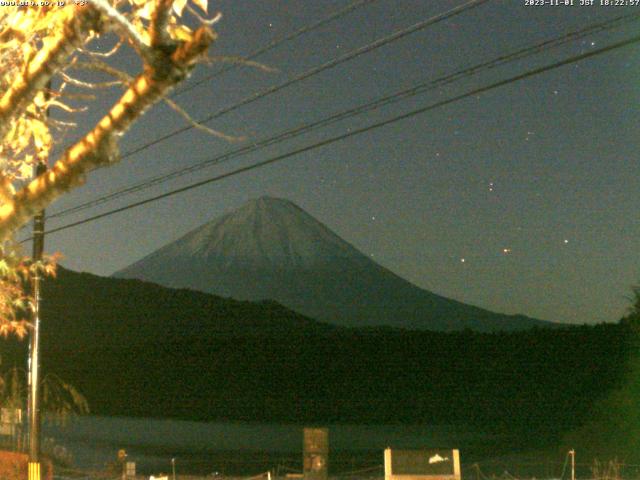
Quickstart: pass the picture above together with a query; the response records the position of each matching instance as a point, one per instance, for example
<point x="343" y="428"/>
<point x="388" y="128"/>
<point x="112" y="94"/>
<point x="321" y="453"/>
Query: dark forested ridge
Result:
<point x="139" y="349"/>
<point x="501" y="381"/>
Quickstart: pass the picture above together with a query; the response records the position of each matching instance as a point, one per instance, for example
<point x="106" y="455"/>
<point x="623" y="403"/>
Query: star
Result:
<point x="462" y="260"/>
<point x="506" y="251"/>
<point x="566" y="241"/>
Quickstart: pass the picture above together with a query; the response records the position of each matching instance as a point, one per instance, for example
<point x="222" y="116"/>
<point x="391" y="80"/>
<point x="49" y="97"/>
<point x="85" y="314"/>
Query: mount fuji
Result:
<point x="272" y="249"/>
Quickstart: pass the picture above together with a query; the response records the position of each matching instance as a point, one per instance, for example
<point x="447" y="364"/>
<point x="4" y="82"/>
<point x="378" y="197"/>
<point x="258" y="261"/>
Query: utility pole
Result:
<point x="572" y="452"/>
<point x="34" y="345"/>
<point x="33" y="403"/>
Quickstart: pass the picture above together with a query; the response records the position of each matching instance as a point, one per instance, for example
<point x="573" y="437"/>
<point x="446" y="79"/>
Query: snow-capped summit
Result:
<point x="264" y="233"/>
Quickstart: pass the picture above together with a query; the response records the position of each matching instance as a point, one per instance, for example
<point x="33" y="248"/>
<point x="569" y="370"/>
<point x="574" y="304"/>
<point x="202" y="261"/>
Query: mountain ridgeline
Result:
<point x="272" y="249"/>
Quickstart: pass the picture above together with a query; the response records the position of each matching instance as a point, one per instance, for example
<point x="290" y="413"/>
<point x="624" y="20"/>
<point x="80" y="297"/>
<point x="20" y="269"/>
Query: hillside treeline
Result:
<point x="137" y="349"/>
<point x="547" y="379"/>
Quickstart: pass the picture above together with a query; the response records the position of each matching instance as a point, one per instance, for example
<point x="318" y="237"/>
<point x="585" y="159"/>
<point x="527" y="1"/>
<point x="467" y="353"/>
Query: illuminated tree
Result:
<point x="48" y="43"/>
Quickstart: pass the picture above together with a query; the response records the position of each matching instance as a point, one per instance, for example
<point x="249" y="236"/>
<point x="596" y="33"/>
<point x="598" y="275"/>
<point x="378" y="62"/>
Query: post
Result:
<point x="315" y="453"/>
<point x="122" y="458"/>
<point x="173" y="467"/>
<point x="572" y="452"/>
<point x="34" y="345"/>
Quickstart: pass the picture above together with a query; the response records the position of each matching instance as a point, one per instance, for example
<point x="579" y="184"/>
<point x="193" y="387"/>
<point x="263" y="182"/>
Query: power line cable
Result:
<point x="325" y="66"/>
<point x="321" y="68"/>
<point x="392" y="98"/>
<point x="277" y="42"/>
<point x="374" y="126"/>
<point x="332" y="63"/>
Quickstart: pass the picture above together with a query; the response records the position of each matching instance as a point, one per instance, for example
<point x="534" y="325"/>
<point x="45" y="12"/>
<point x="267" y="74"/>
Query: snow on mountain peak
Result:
<point x="264" y="232"/>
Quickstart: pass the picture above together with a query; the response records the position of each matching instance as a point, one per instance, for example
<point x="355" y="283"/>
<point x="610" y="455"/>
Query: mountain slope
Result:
<point x="272" y="249"/>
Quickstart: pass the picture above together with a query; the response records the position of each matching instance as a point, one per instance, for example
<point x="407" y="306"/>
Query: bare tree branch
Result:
<point x="199" y="126"/>
<point x="205" y="21"/>
<point x="123" y="27"/>
<point x="159" y="21"/>
<point x="100" y="66"/>
<point x="89" y="85"/>
<point x="111" y="52"/>
<point x="239" y="61"/>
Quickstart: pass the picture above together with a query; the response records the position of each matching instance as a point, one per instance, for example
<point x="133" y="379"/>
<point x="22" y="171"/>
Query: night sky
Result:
<point x="523" y="199"/>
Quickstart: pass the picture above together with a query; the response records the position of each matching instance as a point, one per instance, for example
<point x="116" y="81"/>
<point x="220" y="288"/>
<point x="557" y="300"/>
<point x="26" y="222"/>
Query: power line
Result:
<point x="332" y="63"/>
<point x="392" y="98"/>
<point x="325" y="66"/>
<point x="321" y="68"/>
<point x="328" y="141"/>
<point x="277" y="42"/>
